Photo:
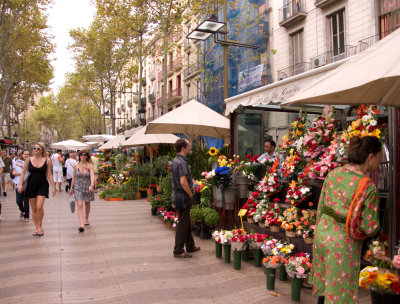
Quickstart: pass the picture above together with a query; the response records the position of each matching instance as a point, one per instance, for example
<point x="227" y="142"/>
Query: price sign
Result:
<point x="242" y="212"/>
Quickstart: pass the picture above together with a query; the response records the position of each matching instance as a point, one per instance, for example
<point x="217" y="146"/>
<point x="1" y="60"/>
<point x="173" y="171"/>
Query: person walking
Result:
<point x="69" y="165"/>
<point x="5" y="176"/>
<point x="57" y="162"/>
<point x="95" y="162"/>
<point x="21" y="198"/>
<point x="1" y="171"/>
<point x="13" y="158"/>
<point x="336" y="250"/>
<point x="82" y="186"/>
<point x="37" y="189"/>
<point x="182" y="198"/>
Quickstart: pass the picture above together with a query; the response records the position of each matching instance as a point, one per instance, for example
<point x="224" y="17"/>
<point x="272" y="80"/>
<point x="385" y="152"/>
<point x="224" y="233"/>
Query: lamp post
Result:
<point x="142" y="116"/>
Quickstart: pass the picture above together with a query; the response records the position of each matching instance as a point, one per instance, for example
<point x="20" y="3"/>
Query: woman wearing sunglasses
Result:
<point x="37" y="189"/>
<point x="82" y="186"/>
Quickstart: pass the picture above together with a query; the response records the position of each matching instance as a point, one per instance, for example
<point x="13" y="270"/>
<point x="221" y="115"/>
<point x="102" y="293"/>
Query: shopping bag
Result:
<point x="72" y="203"/>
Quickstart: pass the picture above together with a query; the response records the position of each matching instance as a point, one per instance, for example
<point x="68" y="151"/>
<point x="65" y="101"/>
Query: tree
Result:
<point x="24" y="49"/>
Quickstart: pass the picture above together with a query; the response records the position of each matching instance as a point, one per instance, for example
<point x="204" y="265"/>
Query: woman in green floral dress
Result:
<point x="336" y="256"/>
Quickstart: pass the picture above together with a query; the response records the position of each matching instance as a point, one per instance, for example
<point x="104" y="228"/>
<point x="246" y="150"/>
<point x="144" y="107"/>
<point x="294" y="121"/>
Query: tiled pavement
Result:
<point x="124" y="256"/>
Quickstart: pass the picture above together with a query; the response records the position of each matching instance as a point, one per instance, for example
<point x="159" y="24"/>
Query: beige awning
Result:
<point x="278" y="92"/>
<point x="142" y="139"/>
<point x="113" y="143"/>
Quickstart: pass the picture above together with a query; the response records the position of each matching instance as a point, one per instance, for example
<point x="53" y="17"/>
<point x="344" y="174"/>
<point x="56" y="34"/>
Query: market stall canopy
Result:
<point x="70" y="145"/>
<point x="98" y="137"/>
<point x="140" y="138"/>
<point x="371" y="77"/>
<point x="113" y="143"/>
<point x="191" y="119"/>
<point x="93" y="144"/>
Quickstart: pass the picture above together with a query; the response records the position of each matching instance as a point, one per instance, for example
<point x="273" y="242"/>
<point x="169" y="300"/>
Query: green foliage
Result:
<point x="196" y="214"/>
<point x="206" y="197"/>
<point x="198" y="160"/>
<point x="165" y="197"/>
<point x="143" y="170"/>
<point x="211" y="217"/>
<point x="120" y="161"/>
<point x="155" y="201"/>
<point x="160" y="165"/>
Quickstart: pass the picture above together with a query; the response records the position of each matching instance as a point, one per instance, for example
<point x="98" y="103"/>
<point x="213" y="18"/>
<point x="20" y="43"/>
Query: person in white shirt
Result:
<point x="269" y="148"/>
<point x="69" y="164"/>
<point x="22" y="200"/>
<point x="57" y="160"/>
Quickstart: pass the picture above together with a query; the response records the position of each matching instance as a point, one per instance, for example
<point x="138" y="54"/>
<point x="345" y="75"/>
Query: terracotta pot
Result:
<point x="138" y="195"/>
<point x="116" y="199"/>
<point x="149" y="191"/>
<point x="159" y="189"/>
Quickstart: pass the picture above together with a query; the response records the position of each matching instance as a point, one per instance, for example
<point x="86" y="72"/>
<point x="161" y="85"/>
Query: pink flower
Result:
<point x="300" y="270"/>
<point x="396" y="261"/>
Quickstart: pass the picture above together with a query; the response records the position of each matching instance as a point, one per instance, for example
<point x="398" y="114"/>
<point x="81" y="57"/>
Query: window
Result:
<point x="188" y="92"/>
<point x="337" y="37"/>
<point x="389" y="16"/>
<point x="297" y="51"/>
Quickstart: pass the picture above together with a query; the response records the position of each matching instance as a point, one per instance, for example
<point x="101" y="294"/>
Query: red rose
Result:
<point x="396" y="287"/>
<point x="255" y="194"/>
<point x="326" y="139"/>
<point x="276" y="200"/>
<point x="361" y="128"/>
<point x="371" y="128"/>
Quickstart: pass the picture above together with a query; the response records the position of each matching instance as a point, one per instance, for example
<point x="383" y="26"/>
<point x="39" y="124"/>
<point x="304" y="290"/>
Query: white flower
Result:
<point x="304" y="190"/>
<point x="373" y="122"/>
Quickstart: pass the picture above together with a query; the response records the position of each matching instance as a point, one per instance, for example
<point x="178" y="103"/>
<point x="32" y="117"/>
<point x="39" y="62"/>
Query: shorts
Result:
<point x="5" y="177"/>
<point x="58" y="175"/>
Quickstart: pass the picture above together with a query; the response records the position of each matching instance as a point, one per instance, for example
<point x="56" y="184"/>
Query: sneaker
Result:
<point x="66" y="188"/>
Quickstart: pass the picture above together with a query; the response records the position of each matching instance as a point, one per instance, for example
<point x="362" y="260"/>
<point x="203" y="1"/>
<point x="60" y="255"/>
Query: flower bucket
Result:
<point x="270" y="274"/>
<point x="257" y="257"/>
<point x="237" y="259"/>
<point x="262" y="225"/>
<point x="384" y="298"/>
<point x="242" y="184"/>
<point x="227" y="253"/>
<point x="154" y="211"/>
<point x="218" y="250"/>
<point x="229" y="197"/>
<point x="218" y="197"/>
<point x="290" y="233"/>
<point x="282" y="273"/>
<point x="245" y="254"/>
<point x="296" y="289"/>
<point x="308" y="240"/>
<point x="274" y="228"/>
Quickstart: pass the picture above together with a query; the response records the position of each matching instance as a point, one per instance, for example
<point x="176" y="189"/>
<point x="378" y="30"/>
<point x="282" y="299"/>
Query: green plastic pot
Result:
<point x="245" y="254"/>
<point x="218" y="250"/>
<point x="282" y="273"/>
<point x="237" y="259"/>
<point x="257" y="257"/>
<point x="296" y="289"/>
<point x="227" y="253"/>
<point x="270" y="273"/>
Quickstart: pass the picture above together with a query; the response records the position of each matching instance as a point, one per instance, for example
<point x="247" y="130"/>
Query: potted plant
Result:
<point x="154" y="203"/>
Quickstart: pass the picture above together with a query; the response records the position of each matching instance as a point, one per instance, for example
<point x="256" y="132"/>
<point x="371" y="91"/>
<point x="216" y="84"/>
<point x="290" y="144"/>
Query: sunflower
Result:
<point x="213" y="151"/>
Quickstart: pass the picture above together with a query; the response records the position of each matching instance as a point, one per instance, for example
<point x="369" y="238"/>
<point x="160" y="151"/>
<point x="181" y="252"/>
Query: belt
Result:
<point x="330" y="212"/>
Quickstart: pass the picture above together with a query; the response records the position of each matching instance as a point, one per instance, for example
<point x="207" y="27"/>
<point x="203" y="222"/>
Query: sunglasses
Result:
<point x="37" y="149"/>
<point x="84" y="154"/>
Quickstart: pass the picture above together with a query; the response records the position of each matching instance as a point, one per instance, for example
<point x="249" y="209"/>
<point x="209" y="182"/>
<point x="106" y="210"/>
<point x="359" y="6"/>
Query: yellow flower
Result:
<point x="294" y="124"/>
<point x="213" y="151"/>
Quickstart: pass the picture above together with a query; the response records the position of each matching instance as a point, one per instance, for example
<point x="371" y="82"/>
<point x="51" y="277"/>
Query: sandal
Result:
<point x="81" y="229"/>
<point x="37" y="233"/>
<point x="26" y="220"/>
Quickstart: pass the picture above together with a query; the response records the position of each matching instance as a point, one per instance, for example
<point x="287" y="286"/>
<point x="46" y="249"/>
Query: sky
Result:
<point x="62" y="17"/>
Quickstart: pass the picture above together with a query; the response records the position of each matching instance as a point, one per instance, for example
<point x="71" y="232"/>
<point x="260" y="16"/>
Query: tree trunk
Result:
<point x="7" y="89"/>
<point x="140" y="76"/>
<point x="165" y="72"/>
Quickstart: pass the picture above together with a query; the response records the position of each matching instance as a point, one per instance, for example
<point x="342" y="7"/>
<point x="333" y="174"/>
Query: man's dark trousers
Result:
<point x="183" y="236"/>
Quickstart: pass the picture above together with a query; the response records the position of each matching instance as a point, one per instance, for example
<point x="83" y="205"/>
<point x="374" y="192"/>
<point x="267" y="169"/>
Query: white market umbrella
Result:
<point x="98" y="137"/>
<point x="140" y="138"/>
<point x="113" y="143"/>
<point x="371" y="77"/>
<point x="191" y="119"/>
<point x="70" y="145"/>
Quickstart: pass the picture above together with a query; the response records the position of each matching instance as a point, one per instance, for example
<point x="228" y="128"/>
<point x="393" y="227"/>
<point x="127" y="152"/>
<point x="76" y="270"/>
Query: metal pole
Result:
<point x="225" y="13"/>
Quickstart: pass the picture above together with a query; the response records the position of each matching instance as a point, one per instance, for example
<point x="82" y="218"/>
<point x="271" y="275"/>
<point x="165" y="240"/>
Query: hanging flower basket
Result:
<point x="274" y="228"/>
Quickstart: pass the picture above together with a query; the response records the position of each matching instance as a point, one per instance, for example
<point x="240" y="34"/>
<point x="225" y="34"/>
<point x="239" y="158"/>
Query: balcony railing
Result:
<point x="160" y="75"/>
<point x="186" y="44"/>
<point x="323" y="3"/>
<point x="365" y="43"/>
<point x="171" y="96"/>
<point x="176" y="64"/>
<point x="151" y="98"/>
<point x="294" y="70"/>
<point x="292" y="12"/>
<point x="333" y="56"/>
<point x="191" y="71"/>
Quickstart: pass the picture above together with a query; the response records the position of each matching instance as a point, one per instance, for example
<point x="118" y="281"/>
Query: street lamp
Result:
<point x="142" y="115"/>
<point x="207" y="28"/>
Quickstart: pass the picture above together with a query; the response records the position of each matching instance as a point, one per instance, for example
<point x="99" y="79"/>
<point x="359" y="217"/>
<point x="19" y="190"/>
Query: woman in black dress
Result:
<point x="37" y="189"/>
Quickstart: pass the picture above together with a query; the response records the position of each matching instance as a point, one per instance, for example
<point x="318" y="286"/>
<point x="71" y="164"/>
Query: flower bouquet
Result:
<point x="299" y="265"/>
<point x="297" y="192"/>
<point x="328" y="162"/>
<point x="383" y="284"/>
<point x="269" y="185"/>
<point x="250" y="205"/>
<point x="377" y="254"/>
<point x="261" y="210"/>
<point x="256" y="241"/>
<point x="288" y="220"/>
<point x="213" y="152"/>
<point x="274" y="261"/>
<point x="239" y="240"/>
<point x="365" y="125"/>
<point x="305" y="225"/>
<point x="272" y="216"/>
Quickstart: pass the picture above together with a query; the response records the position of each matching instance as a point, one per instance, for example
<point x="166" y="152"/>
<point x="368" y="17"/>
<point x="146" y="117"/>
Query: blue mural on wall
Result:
<point x="247" y="68"/>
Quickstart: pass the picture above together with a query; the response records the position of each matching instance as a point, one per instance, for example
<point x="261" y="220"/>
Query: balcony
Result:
<point x="176" y="65"/>
<point x="160" y="75"/>
<point x="172" y="96"/>
<point x="123" y="108"/>
<point x="186" y="45"/>
<point x="152" y="75"/>
<point x="191" y="71"/>
<point x="151" y="98"/>
<point x="333" y="56"/>
<point x="324" y="3"/>
<point x="292" y="13"/>
<point x="294" y="70"/>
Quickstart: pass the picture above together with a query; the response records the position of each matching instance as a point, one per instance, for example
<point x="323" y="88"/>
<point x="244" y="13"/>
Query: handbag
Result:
<point x="25" y="182"/>
<point x="72" y="203"/>
<point x="179" y="199"/>
<point x="353" y="220"/>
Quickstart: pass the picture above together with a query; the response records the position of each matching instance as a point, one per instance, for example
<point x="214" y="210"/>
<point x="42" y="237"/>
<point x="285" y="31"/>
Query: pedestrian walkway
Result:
<point x="124" y="256"/>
